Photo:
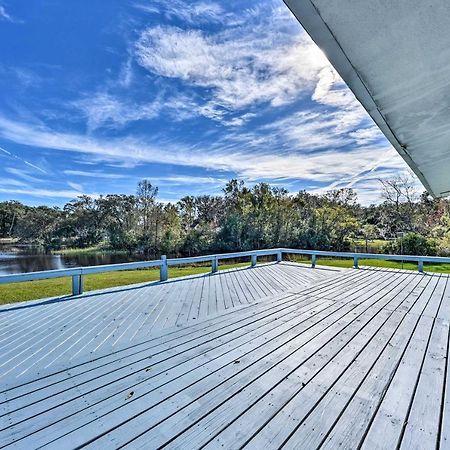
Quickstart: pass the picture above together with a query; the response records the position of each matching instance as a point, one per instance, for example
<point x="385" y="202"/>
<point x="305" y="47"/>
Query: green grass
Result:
<point x="31" y="290"/>
<point x="375" y="243"/>
<point x="347" y="263"/>
<point x="100" y="248"/>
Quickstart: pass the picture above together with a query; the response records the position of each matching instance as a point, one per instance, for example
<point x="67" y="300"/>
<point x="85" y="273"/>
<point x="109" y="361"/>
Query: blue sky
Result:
<point x="98" y="95"/>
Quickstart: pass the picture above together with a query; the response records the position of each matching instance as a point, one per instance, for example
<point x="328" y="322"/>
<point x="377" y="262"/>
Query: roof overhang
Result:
<point x="395" y="57"/>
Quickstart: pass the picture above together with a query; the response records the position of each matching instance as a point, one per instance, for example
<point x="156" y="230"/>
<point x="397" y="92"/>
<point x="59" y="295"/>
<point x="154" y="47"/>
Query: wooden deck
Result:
<point x="323" y="359"/>
<point x="36" y="336"/>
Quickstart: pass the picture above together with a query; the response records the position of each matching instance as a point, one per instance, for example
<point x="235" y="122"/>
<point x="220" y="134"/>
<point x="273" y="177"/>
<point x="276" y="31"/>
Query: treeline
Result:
<point x="243" y="218"/>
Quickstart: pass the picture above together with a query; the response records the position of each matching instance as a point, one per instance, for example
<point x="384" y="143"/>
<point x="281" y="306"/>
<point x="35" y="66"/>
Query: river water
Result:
<point x="20" y="259"/>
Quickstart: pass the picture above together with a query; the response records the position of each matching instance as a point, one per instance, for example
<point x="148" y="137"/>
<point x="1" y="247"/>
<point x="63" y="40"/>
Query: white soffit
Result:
<point x="395" y="57"/>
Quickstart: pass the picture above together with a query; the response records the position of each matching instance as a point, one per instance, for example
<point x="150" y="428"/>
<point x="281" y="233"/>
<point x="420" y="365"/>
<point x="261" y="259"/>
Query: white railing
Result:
<point x="78" y="273"/>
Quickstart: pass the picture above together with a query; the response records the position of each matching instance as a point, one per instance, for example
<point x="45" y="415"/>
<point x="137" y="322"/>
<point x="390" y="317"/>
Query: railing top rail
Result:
<point x="13" y="278"/>
<point x="204" y="258"/>
<point x="58" y="273"/>
<point x="415" y="258"/>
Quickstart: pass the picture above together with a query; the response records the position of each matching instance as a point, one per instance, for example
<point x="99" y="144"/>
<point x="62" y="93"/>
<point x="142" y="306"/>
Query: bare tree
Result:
<point x="401" y="189"/>
<point x="400" y="193"/>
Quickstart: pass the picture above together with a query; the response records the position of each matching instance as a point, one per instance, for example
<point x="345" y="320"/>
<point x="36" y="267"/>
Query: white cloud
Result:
<point x="75" y="186"/>
<point x="82" y="173"/>
<point x="11" y="182"/>
<point x="364" y="136"/>
<point x="126" y="73"/>
<point x="238" y="69"/>
<point x="240" y="120"/>
<point x="188" y="179"/>
<point x="103" y="109"/>
<point x="309" y="131"/>
<point x="330" y="90"/>
<point x="44" y="193"/>
<point x="23" y="174"/>
<point x="24" y="161"/>
<point x="4" y="15"/>
<point x="192" y="12"/>
<point x="325" y="166"/>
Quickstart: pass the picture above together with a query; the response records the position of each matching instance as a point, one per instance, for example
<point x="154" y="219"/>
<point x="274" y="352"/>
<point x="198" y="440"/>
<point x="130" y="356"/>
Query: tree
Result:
<point x="369" y="232"/>
<point x="119" y="218"/>
<point x="243" y="218"/>
<point x="146" y="196"/>
<point x="83" y="221"/>
<point x="39" y="226"/>
<point x="188" y="213"/>
<point x="398" y="211"/>
<point x="171" y="230"/>
<point x="11" y="213"/>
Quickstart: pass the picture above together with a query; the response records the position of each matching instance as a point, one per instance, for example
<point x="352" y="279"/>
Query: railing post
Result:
<point x="313" y="261"/>
<point x="254" y="258"/>
<point x="163" y="269"/>
<point x="77" y="284"/>
<point x="214" y="264"/>
<point x="420" y="266"/>
<point x="355" y="262"/>
<point x="279" y="256"/>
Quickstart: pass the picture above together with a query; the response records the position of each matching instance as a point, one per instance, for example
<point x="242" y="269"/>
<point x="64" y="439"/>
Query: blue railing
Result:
<point x="78" y="273"/>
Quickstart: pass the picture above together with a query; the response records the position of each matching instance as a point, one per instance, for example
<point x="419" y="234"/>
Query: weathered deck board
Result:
<point x="43" y="334"/>
<point x="349" y="359"/>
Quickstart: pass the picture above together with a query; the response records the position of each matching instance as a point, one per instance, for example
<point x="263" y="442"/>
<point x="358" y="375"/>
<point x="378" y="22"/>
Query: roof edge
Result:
<point x="311" y="20"/>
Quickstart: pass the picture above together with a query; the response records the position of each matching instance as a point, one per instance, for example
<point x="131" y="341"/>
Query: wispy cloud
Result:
<point x="188" y="179"/>
<point x="104" y="109"/>
<point x="193" y="13"/>
<point x="239" y="67"/>
<point x="11" y="182"/>
<point x="95" y="174"/>
<point x="4" y="15"/>
<point x="75" y="186"/>
<point x="49" y="193"/>
<point x="18" y="158"/>
<point x="321" y="166"/>
<point x="23" y="174"/>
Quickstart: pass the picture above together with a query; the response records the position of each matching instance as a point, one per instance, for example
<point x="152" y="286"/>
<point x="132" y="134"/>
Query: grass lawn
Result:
<point x="30" y="290"/>
<point x="374" y="243"/>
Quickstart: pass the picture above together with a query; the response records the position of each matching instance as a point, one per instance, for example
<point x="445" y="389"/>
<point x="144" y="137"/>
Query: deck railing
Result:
<point x="78" y="273"/>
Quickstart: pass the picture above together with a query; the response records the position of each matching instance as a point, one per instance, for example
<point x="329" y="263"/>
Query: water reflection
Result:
<point x="17" y="259"/>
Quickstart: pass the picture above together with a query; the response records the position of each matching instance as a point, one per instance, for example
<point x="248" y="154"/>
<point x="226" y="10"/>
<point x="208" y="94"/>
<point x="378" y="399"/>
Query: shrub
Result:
<point x="412" y="244"/>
